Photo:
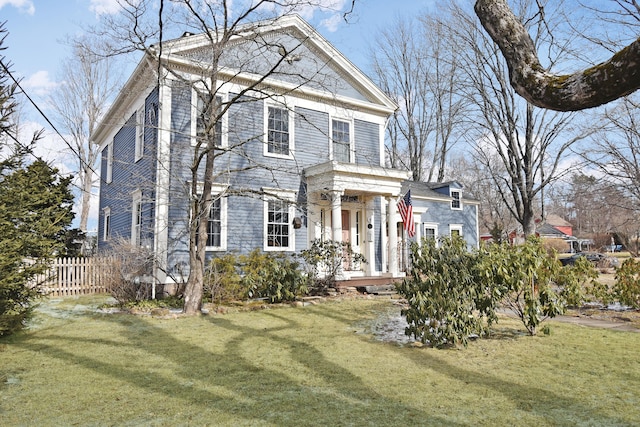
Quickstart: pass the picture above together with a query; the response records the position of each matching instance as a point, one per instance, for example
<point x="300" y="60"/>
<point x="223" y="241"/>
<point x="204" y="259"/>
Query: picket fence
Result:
<point x="77" y="276"/>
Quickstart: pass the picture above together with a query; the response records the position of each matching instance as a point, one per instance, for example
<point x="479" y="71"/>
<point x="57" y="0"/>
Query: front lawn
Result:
<point x="314" y="365"/>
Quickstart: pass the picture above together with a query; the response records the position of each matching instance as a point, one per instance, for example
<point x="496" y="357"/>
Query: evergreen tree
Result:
<point x="35" y="214"/>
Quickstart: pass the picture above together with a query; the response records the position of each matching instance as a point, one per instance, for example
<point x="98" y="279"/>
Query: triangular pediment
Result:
<point x="287" y="50"/>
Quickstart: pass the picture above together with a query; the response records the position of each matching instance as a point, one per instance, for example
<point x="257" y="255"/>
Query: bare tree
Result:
<point x="594" y="86"/>
<point x="528" y="143"/>
<point x="232" y="50"/>
<point x="414" y="64"/>
<point x="88" y="83"/>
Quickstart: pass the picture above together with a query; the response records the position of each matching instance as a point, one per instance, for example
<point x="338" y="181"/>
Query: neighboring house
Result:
<point x="306" y="163"/>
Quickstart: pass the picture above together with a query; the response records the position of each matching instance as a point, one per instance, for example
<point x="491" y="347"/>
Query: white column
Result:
<point x="393" y="237"/>
<point x="336" y="216"/>
<point x="369" y="237"/>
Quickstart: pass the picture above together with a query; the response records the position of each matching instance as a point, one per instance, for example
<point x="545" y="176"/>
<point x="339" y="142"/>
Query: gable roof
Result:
<point x="426" y="190"/>
<point x="189" y="54"/>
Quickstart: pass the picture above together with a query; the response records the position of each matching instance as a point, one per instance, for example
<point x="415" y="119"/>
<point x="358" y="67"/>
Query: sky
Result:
<point x="38" y="29"/>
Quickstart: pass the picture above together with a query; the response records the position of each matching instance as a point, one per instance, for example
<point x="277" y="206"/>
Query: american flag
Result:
<point x="406" y="213"/>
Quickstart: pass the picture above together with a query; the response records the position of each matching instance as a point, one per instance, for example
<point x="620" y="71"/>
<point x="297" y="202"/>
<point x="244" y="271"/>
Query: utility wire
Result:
<point x="17" y="83"/>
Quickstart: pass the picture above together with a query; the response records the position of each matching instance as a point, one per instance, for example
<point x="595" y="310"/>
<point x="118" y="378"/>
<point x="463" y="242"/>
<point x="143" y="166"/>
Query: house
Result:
<point x="301" y="156"/>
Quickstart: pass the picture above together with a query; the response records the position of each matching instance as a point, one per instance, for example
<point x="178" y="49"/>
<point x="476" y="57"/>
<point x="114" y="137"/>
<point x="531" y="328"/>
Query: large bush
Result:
<point x="525" y="274"/>
<point x="446" y="302"/>
<point x="277" y="277"/>
<point x="453" y="293"/>
<point x="627" y="287"/>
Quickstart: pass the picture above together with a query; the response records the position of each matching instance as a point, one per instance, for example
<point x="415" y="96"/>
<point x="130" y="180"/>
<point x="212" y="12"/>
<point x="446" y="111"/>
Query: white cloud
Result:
<point x="38" y="83"/>
<point x="332" y="23"/>
<point x="104" y="7"/>
<point x="25" y="6"/>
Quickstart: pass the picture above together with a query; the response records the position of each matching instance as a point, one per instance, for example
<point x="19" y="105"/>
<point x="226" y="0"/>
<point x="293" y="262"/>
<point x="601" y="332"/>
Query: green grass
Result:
<point x="309" y="366"/>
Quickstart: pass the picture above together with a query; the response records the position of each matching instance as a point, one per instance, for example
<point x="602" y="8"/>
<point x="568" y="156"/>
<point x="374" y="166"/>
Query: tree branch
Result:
<point x="594" y="86"/>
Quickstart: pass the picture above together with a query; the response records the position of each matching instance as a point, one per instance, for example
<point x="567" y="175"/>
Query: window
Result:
<point x="202" y="114"/>
<point x="341" y="137"/>
<point x="455" y="230"/>
<point x="214" y="226"/>
<point x="140" y="126"/>
<point x="430" y="231"/>
<point x="455" y="203"/>
<point x="109" y="173"/>
<point x="106" y="224"/>
<point x="136" y="218"/>
<point x="278" y="217"/>
<point x="278" y="134"/>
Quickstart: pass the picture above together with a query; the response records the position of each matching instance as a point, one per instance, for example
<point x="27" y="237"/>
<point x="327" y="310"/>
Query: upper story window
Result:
<point x="341" y="140"/>
<point x="456" y="203"/>
<point x="201" y="114"/>
<point x="140" y="129"/>
<point x="109" y="172"/>
<point x="279" y="138"/>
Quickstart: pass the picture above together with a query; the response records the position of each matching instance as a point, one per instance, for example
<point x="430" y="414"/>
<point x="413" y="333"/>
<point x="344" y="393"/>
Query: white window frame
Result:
<point x="109" y="174"/>
<point x="140" y="131"/>
<point x="433" y="226"/>
<point x="106" y="224"/>
<point x="290" y="130"/>
<point x="195" y="113"/>
<point x="288" y="197"/>
<point x="455" y="227"/>
<point x="217" y="193"/>
<point x="458" y="199"/>
<point x="136" y="218"/>
<point x="351" y="138"/>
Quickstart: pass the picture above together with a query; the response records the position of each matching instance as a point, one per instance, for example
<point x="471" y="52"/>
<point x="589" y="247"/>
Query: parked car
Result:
<point x="598" y="259"/>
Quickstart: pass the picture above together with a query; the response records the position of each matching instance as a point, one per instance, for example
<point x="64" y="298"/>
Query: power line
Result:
<point x="17" y="83"/>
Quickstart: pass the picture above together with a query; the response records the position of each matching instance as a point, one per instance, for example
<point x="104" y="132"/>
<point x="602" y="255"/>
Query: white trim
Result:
<point x="287" y="196"/>
<point x="136" y="217"/>
<point x="109" y="172"/>
<point x="218" y="192"/>
<point x="140" y="131"/>
<point x="290" y="130"/>
<point x="430" y="225"/>
<point x="455" y="227"/>
<point x="106" y="224"/>
<point x="349" y="122"/>
<point x="459" y="199"/>
<point x="163" y="176"/>
<point x="224" y="139"/>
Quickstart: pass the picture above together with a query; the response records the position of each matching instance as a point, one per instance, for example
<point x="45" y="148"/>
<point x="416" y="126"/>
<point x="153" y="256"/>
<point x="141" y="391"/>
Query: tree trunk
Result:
<point x="87" y="184"/>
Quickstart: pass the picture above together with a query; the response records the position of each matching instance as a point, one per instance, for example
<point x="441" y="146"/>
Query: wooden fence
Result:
<point x="77" y="276"/>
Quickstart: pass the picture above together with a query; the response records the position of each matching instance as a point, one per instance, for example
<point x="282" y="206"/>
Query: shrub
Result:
<point x="525" y="274"/>
<point x="446" y="302"/>
<point x="273" y="276"/>
<point x="324" y="259"/>
<point x="577" y="283"/>
<point x="223" y="280"/>
<point x="277" y="277"/>
<point x="627" y="287"/>
<point x="132" y="272"/>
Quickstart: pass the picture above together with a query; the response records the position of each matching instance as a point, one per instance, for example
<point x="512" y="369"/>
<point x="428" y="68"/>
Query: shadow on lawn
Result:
<point x="541" y="402"/>
<point x="233" y="384"/>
